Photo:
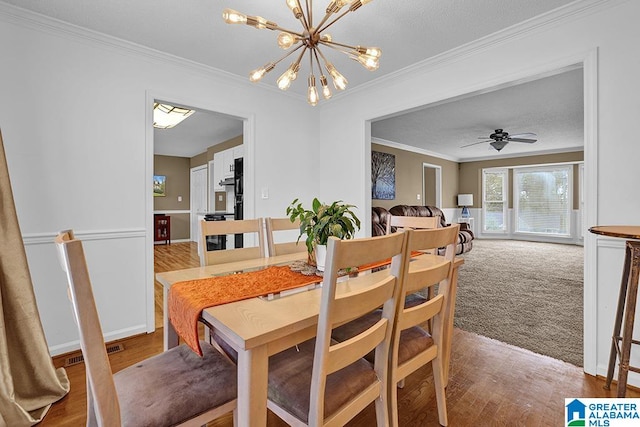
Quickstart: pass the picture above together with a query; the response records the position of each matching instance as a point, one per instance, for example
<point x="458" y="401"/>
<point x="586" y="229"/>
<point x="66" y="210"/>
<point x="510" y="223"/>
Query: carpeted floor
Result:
<point x="524" y="293"/>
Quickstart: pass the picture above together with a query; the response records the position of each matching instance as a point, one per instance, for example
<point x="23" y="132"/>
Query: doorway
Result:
<point x="587" y="61"/>
<point x="432" y="185"/>
<point x="228" y="125"/>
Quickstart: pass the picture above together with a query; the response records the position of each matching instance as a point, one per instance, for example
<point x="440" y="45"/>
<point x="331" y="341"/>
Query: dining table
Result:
<point x="259" y="327"/>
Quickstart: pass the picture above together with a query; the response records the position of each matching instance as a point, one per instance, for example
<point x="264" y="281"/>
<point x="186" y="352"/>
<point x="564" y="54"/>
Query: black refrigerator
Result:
<point x="238" y="192"/>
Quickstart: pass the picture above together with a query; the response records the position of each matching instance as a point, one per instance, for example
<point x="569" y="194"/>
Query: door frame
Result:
<point x="193" y="214"/>
<point x="438" y="184"/>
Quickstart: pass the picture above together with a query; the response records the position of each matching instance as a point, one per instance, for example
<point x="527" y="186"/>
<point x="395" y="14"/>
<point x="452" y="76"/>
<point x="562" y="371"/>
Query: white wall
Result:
<point x="608" y="28"/>
<point x="75" y="115"/>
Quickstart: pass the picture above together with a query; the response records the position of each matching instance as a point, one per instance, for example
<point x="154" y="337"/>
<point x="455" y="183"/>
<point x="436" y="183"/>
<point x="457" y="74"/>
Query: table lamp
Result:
<point x="465" y="200"/>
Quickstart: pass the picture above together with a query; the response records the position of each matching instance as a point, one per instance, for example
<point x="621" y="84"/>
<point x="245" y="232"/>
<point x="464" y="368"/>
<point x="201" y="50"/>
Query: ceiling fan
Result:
<point x="499" y="139"/>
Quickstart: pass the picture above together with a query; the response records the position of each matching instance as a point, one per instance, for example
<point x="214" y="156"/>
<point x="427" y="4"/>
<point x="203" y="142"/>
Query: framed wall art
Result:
<point x="383" y="176"/>
<point x="159" y="186"/>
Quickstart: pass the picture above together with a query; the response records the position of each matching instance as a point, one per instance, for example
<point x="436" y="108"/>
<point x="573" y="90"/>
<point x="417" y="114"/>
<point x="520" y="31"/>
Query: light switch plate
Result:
<point x="265" y="192"/>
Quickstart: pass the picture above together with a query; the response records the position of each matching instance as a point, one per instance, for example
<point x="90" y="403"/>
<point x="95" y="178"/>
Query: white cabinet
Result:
<point x="238" y="151"/>
<point x="223" y="165"/>
<point x="218" y="167"/>
<point x="227" y="163"/>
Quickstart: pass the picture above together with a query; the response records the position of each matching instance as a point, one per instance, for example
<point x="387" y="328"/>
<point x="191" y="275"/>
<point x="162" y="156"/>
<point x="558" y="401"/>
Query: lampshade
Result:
<point x="465" y="199"/>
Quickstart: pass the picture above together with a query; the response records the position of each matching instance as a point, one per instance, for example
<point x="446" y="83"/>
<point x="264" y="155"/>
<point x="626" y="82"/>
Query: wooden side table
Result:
<point x="621" y="344"/>
<point x="162" y="228"/>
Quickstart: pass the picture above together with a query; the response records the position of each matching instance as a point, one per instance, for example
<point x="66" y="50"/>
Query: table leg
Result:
<point x="448" y="328"/>
<point x="633" y="253"/>
<point x="253" y="367"/>
<point x="170" y="336"/>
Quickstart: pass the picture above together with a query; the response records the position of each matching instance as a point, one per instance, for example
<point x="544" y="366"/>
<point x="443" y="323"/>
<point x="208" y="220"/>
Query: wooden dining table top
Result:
<point x="624" y="231"/>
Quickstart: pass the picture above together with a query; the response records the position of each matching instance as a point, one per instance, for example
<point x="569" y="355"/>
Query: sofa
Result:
<point x="379" y="216"/>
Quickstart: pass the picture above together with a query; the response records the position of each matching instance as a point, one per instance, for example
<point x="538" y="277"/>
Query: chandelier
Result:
<point x="309" y="40"/>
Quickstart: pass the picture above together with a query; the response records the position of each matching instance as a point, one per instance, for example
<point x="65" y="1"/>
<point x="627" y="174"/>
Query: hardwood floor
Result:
<point x="491" y="383"/>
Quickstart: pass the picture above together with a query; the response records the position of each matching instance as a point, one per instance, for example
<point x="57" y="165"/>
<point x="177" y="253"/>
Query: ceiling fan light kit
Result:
<point x="499" y="139"/>
<point x="309" y="40"/>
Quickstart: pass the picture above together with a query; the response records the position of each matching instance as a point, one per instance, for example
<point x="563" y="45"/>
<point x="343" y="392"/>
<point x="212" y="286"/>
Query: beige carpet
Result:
<point x="526" y="294"/>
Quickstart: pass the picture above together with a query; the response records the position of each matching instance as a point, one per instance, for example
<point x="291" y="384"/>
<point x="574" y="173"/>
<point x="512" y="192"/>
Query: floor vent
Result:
<point x="74" y="360"/>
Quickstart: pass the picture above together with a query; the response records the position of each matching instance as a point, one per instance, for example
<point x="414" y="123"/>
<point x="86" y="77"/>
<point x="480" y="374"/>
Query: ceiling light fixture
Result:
<point x="310" y="40"/>
<point x="167" y="116"/>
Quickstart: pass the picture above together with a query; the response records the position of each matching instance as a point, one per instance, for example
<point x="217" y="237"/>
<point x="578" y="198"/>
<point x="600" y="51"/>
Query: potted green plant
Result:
<point x="320" y="222"/>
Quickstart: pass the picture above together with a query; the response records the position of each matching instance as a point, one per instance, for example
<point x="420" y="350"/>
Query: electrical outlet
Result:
<point x="418" y="197"/>
<point x="179" y="198"/>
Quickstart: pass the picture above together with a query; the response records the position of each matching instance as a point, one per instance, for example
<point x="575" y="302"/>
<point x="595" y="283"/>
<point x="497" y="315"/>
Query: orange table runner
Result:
<point x="187" y="299"/>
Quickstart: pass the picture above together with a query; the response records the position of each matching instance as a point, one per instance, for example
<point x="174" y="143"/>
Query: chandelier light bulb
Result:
<point x="312" y="92"/>
<point x="336" y="5"/>
<point x="339" y="82"/>
<point x="369" y="62"/>
<point x="284" y="81"/>
<point x="294" y="5"/>
<point x="376" y="52"/>
<point x="326" y="37"/>
<point x="257" y="74"/>
<point x="326" y="92"/>
<point x="231" y="16"/>
<point x="286" y="40"/>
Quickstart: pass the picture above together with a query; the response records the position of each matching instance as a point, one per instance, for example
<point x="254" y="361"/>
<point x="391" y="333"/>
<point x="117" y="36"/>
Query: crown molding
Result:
<point x="572" y="11"/>
<point x="36" y="21"/>
<point x="413" y="149"/>
<point x="517" y="155"/>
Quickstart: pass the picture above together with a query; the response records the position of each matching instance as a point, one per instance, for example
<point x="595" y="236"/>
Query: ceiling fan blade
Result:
<point x="522" y="140"/>
<point x="530" y="135"/>
<point x="474" y="143"/>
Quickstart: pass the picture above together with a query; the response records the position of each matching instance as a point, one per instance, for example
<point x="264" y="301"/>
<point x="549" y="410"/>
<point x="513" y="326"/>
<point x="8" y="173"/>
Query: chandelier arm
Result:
<point x="332" y="22"/>
<point x="288" y="54"/>
<point x="295" y="33"/>
<point x="329" y="43"/>
<point x="324" y="58"/>
<point x="315" y="53"/>
<point x="336" y="46"/>
<point x="309" y="13"/>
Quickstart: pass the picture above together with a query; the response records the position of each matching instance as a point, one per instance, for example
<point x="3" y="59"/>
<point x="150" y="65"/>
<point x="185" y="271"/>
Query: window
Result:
<point x="494" y="200"/>
<point x="543" y="200"/>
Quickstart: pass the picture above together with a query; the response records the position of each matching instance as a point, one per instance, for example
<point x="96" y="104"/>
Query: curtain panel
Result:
<point x="29" y="383"/>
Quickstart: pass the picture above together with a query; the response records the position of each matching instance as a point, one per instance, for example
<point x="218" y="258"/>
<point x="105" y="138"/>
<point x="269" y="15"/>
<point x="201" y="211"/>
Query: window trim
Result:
<point x="505" y="200"/>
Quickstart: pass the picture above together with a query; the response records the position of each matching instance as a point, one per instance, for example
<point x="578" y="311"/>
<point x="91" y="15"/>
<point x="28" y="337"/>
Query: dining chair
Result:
<point x="416" y="222"/>
<point x="273" y="225"/>
<point x="322" y="382"/>
<point x="221" y="228"/>
<point x="176" y="387"/>
<point x="413" y="345"/>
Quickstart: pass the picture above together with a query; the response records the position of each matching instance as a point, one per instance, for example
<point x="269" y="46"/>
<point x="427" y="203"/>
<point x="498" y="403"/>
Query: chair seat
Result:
<point x="174" y="386"/>
<point x="413" y="341"/>
<point x="361" y="324"/>
<point x="290" y="381"/>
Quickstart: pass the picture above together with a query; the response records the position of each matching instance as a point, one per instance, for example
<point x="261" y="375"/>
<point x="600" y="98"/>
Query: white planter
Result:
<point x="321" y="256"/>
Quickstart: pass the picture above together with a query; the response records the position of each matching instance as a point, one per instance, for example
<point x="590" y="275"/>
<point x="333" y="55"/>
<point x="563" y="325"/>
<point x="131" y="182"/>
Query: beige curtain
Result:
<point x="29" y="383"/>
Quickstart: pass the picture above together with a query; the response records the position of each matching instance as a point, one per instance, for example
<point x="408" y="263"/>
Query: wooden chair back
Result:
<point x="339" y="305"/>
<point x="101" y="390"/>
<point x="213" y="228"/>
<point x="413" y="222"/>
<point x="433" y="309"/>
<point x="273" y="225"/>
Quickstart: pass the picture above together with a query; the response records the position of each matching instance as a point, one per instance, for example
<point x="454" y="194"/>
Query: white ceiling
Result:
<point x="407" y="31"/>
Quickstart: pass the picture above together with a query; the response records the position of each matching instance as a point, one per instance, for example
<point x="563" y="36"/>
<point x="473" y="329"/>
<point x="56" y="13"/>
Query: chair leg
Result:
<point x="382" y="411"/>
<point x="393" y="404"/>
<point x="438" y="381"/>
